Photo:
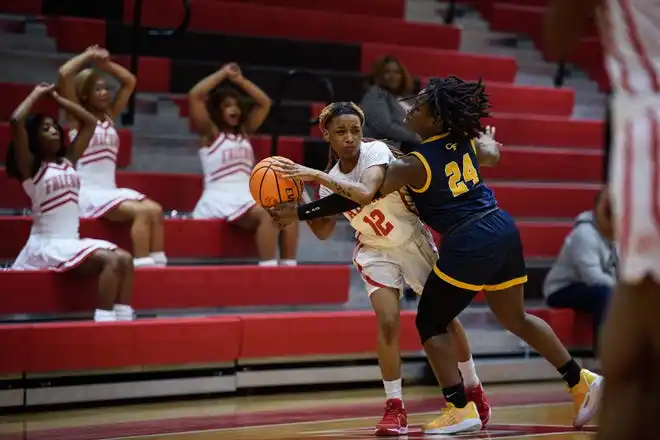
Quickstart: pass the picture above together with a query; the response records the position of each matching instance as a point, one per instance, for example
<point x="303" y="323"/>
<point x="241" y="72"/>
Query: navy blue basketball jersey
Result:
<point x="454" y="190"/>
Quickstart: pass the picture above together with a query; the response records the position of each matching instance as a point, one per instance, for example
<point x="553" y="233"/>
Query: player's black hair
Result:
<point x="458" y="104"/>
<point x="214" y="102"/>
<point x="330" y="112"/>
<point x="32" y="125"/>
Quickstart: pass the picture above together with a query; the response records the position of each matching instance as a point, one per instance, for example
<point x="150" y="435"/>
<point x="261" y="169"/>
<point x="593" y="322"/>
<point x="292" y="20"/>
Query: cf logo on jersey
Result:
<point x="451" y="147"/>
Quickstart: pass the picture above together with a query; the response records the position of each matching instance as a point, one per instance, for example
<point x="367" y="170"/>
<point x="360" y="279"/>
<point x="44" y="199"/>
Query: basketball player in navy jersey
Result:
<point x="481" y="247"/>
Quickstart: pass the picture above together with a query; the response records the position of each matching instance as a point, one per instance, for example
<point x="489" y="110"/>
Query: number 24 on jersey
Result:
<point x="458" y="177"/>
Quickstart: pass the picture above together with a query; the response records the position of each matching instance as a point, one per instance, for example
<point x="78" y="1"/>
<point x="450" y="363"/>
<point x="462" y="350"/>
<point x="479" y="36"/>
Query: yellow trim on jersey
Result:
<point x="474" y="146"/>
<point x="435" y="138"/>
<point x="506" y="284"/>
<point x="454" y="282"/>
<point x="426" y="185"/>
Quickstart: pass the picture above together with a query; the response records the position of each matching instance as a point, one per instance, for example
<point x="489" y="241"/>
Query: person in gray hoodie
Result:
<point x="584" y="274"/>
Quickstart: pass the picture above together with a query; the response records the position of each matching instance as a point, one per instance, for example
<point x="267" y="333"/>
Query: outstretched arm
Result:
<point x="408" y="170"/>
<point x="321" y="227"/>
<point x="86" y="126"/>
<point x="197" y="97"/>
<point x="24" y="158"/>
<point x="127" y="83"/>
<point x="67" y="73"/>
<point x="262" y="102"/>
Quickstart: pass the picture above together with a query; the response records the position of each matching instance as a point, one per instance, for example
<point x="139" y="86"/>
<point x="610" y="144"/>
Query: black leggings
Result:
<point x="438" y="305"/>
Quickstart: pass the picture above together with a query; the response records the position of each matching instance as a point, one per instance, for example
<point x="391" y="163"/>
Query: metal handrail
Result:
<point x="560" y="74"/>
<point x="277" y="107"/>
<point x="450" y="14"/>
<point x="128" y="118"/>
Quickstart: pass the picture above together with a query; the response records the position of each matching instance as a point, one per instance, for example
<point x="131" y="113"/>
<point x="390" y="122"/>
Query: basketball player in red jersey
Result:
<point x="630" y="341"/>
<point x="39" y="158"/>
<point x="227" y="158"/>
<point x="393" y="245"/>
<point x="99" y="194"/>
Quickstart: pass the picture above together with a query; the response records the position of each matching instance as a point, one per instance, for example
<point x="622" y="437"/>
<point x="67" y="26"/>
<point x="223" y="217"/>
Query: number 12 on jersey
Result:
<point x="376" y="219"/>
<point x="458" y="177"/>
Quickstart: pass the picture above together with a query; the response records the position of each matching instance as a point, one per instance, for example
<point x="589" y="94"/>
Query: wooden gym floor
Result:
<point x="520" y="412"/>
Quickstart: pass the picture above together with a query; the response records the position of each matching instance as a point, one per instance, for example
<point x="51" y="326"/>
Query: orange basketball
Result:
<point x="269" y="189"/>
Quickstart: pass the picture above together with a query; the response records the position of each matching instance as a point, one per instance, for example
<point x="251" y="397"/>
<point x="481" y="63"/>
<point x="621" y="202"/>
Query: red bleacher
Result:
<point x="528" y="199"/>
<point x="431" y="61"/>
<point x="217" y="239"/>
<point x="183" y="238"/>
<point x="76" y="346"/>
<point x="511" y="16"/>
<point x="123" y="158"/>
<point x="181" y="288"/>
<point x="326" y="25"/>
<point x="378" y="8"/>
<point x="504" y="97"/>
<point x="167" y="342"/>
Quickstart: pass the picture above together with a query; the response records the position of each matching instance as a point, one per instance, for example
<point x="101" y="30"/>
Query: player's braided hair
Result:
<point x="459" y="104"/>
<point x="330" y="112"/>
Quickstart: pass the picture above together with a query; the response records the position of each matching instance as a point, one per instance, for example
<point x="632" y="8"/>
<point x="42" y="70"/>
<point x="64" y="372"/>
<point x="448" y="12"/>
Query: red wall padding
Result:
<point x="88" y="346"/>
<point x="267" y="21"/>
<point x="123" y="158"/>
<point x="81" y="346"/>
<point x="180" y="288"/>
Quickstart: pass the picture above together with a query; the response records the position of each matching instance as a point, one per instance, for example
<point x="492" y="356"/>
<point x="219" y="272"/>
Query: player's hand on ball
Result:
<point x="284" y="214"/>
<point x="288" y="168"/>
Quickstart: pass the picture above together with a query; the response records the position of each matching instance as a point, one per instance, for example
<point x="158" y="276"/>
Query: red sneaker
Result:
<point x="394" y="421"/>
<point x="478" y="396"/>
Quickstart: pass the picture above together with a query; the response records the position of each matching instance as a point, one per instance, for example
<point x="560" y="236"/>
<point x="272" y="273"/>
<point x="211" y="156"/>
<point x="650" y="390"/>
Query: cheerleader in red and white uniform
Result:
<point x="39" y="158"/>
<point x="99" y="195"/>
<point x="227" y="159"/>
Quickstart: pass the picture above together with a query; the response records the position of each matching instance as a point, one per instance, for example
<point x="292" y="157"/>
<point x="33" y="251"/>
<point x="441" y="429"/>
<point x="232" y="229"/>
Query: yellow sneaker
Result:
<point x="453" y="420"/>
<point x="586" y="397"/>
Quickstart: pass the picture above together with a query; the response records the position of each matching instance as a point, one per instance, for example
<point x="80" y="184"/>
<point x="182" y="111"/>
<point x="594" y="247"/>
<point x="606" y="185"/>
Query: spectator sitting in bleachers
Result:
<point x="227" y="160"/>
<point x="584" y="274"/>
<point x="39" y="158"/>
<point x="99" y="195"/>
<point x="383" y="111"/>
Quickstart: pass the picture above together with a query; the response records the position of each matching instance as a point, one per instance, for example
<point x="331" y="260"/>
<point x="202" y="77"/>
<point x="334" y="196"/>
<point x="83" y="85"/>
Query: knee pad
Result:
<point x="430" y="324"/>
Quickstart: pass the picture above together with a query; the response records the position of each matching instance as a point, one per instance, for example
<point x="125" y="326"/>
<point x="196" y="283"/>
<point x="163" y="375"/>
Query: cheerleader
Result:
<point x="40" y="160"/>
<point x="227" y="159"/>
<point x="99" y="195"/>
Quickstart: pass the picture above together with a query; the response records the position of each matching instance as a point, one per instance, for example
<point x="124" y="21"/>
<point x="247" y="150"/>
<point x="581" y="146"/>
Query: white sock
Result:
<point x="288" y="262"/>
<point x="159" y="258"/>
<point x="470" y="378"/>
<point x="104" y="315"/>
<point x="393" y="389"/>
<point x="143" y="262"/>
<point x="268" y="263"/>
<point x="124" y="312"/>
